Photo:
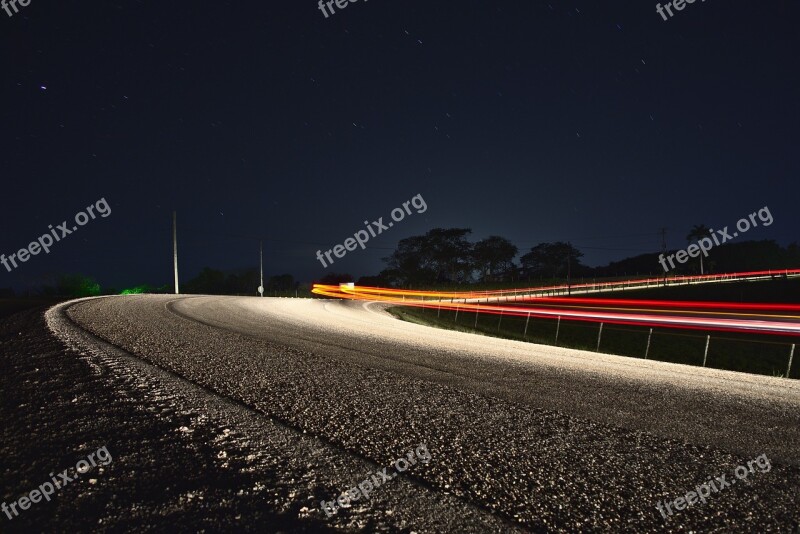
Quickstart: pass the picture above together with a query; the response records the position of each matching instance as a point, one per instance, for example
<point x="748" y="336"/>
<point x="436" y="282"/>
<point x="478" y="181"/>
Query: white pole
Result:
<point x="600" y="333"/>
<point x="526" y="325"/>
<point x="791" y="355"/>
<point x="558" y="326"/>
<point x="261" y="266"/>
<point x="705" y="356"/>
<point x="175" y="248"/>
<point x="647" y="350"/>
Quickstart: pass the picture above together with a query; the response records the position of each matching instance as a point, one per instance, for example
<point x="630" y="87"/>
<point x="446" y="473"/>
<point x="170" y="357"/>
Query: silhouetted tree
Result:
<point x="753" y="256"/>
<point x="641" y="264"/>
<point x="208" y="282"/>
<point x="78" y="285"/>
<point x="281" y="282"/>
<point x="411" y="262"/>
<point x="441" y="255"/>
<point x="381" y="280"/>
<point x="493" y="256"/>
<point x="333" y="279"/>
<point x="243" y="282"/>
<point x="551" y="259"/>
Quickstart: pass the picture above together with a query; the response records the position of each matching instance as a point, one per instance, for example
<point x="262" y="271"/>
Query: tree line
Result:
<point x="446" y="256"/>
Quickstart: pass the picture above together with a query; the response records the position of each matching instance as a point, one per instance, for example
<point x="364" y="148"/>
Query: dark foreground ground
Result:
<point x="183" y="458"/>
<point x="57" y="408"/>
<point x="259" y="433"/>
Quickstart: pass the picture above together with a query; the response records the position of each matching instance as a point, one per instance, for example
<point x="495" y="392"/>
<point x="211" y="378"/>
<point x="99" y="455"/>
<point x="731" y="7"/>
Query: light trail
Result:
<point x="694" y="315"/>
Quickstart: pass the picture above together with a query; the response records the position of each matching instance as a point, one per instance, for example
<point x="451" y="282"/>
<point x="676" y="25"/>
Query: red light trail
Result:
<point x="764" y="318"/>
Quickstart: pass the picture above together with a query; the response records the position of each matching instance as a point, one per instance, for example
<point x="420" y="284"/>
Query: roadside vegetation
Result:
<point x="757" y="354"/>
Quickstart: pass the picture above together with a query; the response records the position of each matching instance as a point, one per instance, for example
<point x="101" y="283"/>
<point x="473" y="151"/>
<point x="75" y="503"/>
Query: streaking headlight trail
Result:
<point x="764" y="318"/>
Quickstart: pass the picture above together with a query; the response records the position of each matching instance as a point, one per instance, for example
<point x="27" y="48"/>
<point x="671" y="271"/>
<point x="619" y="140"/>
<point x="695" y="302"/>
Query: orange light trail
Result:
<point x="648" y="312"/>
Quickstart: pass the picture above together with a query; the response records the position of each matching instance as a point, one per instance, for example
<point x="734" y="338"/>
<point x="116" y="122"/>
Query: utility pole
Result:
<point x="261" y="266"/>
<point x="569" y="268"/>
<point x="175" y="248"/>
<point x="702" y="271"/>
<point x="664" y="249"/>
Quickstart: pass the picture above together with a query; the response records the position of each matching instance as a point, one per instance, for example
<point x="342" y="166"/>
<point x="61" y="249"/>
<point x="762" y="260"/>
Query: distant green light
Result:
<point x="138" y="290"/>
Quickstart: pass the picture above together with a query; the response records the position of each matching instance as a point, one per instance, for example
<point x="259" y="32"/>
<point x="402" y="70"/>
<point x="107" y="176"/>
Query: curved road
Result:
<point x="549" y="439"/>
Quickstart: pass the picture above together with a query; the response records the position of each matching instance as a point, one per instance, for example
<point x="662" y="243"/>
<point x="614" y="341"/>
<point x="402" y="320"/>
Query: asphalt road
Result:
<point x="548" y="439"/>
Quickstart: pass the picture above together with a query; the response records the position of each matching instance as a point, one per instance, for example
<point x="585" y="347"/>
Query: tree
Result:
<point x="383" y="279"/>
<point x="333" y="279"/>
<point x="752" y="256"/>
<point x="387" y="277"/>
<point x="411" y="263"/>
<point x="208" y="282"/>
<point x="551" y="259"/>
<point x="493" y="256"/>
<point x="77" y="285"/>
<point x="281" y="283"/>
<point x="138" y="290"/>
<point x="441" y="255"/>
<point x="451" y="253"/>
<point x="244" y="282"/>
<point x="698" y="232"/>
<point x="793" y="254"/>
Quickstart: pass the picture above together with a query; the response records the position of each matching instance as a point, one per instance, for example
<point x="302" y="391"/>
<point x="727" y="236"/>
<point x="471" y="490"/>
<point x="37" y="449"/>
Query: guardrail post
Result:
<point x="525" y="335"/>
<point x="456" y="320"/>
<point x="705" y="355"/>
<point x="647" y="350"/>
<point x="558" y="326"/>
<point x="475" y="326"/>
<point x="500" y="321"/>
<point x="791" y="355"/>
<point x="439" y="309"/>
<point x="599" y="334"/>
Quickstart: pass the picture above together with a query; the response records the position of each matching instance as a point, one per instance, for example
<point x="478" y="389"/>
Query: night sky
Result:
<point x="594" y="122"/>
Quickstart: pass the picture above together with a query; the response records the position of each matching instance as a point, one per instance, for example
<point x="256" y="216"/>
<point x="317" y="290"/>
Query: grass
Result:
<point x="757" y="354"/>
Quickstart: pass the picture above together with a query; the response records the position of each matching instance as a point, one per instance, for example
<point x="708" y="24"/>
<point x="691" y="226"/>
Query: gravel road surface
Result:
<point x="279" y="403"/>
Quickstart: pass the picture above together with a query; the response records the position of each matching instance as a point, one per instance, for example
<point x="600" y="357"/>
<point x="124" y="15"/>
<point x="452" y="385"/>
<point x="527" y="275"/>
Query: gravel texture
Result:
<point x="183" y="458"/>
<point x="547" y="439"/>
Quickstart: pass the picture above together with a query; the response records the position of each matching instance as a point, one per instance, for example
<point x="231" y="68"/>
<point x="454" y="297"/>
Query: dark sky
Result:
<point x="595" y="122"/>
